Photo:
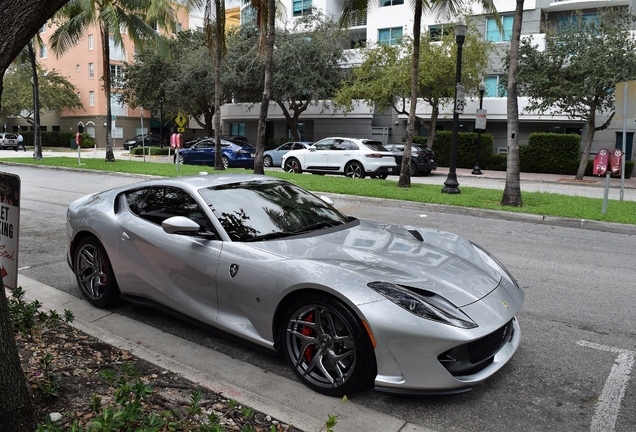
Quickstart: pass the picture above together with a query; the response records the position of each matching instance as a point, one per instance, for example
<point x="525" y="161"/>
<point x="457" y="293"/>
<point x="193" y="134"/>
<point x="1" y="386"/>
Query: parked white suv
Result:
<point x="353" y="157"/>
<point x="8" y="140"/>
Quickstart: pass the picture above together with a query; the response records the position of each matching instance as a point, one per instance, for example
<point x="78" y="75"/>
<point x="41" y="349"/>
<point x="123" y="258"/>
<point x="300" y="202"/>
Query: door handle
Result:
<point x="125" y="236"/>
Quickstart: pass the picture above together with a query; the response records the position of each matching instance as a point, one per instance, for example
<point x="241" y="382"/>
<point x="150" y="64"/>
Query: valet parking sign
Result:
<point x="9" y="228"/>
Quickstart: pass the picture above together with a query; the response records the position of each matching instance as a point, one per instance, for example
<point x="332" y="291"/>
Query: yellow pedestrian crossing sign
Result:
<point x="181" y="120"/>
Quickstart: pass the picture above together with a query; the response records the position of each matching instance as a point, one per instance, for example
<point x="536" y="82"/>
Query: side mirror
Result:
<point x="180" y="224"/>
<point x="312" y="149"/>
<point x="327" y="200"/>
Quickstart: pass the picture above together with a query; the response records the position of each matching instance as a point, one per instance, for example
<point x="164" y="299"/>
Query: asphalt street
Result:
<point x="572" y="371"/>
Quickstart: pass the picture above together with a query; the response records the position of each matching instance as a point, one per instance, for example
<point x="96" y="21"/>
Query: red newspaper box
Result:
<point x="601" y="161"/>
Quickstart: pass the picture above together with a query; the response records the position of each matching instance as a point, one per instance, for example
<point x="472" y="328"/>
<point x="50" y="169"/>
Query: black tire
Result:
<point x="293" y="165"/>
<point x="414" y="170"/>
<point x="181" y="159"/>
<point x="354" y="170"/>
<point x="326" y="346"/>
<point x="226" y="161"/>
<point x="425" y="172"/>
<point x="94" y="273"/>
<point x="267" y="161"/>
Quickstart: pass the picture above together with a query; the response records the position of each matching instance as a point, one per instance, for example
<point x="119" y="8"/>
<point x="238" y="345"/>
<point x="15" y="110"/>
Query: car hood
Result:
<point x="427" y="259"/>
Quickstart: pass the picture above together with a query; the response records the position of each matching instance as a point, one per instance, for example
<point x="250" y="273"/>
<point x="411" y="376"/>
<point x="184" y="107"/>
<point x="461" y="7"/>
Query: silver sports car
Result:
<point x="348" y="301"/>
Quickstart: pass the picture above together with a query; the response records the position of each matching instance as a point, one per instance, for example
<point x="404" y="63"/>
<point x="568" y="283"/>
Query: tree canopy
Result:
<point x="56" y="93"/>
<point x="307" y="66"/>
<point x="578" y="70"/>
<point x="383" y="77"/>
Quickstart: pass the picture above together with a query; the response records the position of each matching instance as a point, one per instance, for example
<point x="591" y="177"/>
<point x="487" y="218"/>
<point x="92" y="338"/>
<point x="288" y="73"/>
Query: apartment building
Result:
<point x="82" y="65"/>
<point x="388" y="20"/>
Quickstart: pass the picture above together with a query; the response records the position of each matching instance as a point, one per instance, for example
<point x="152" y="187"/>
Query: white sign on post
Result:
<point x="480" y="120"/>
<point x="9" y="228"/>
<point x="461" y="99"/>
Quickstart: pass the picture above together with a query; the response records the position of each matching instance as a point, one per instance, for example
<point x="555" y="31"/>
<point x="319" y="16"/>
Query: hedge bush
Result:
<point x="467" y="144"/>
<point x="57" y="139"/>
<point x="154" y="151"/>
<point x="551" y="153"/>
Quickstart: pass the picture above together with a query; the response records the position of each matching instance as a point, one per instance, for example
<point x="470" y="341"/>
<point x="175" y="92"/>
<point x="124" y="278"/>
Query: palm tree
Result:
<point x="448" y="8"/>
<point x="28" y="56"/>
<point x="112" y="17"/>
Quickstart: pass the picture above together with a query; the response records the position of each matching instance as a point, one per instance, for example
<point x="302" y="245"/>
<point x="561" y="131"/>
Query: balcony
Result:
<point x="356" y="19"/>
<point x="566" y="5"/>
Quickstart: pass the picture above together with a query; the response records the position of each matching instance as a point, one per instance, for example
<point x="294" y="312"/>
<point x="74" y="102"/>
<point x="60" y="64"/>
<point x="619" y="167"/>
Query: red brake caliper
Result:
<point x="307" y="331"/>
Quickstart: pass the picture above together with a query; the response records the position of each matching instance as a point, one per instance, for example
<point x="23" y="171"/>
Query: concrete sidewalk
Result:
<point x="287" y="400"/>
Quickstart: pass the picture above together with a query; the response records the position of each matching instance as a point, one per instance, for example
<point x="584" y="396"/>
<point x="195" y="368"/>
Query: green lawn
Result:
<point x="533" y="202"/>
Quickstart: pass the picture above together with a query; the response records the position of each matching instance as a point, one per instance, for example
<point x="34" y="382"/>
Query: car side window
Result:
<point x="324" y="144"/>
<point x="347" y="145"/>
<point x="298" y="146"/>
<point x="285" y="147"/>
<point x="156" y="204"/>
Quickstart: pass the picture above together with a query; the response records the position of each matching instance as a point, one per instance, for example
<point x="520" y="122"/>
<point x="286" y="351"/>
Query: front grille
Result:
<point x="488" y="345"/>
<point x="474" y="356"/>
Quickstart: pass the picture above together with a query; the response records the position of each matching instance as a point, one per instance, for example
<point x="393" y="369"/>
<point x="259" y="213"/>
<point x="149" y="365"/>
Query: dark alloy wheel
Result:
<point x="326" y="346"/>
<point x="94" y="274"/>
<point x="414" y="171"/>
<point x="226" y="161"/>
<point x="293" y="165"/>
<point x="267" y="161"/>
<point x="354" y="170"/>
<point x="181" y="159"/>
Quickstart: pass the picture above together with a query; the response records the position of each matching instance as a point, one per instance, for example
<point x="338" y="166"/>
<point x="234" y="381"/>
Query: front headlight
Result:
<point x="431" y="306"/>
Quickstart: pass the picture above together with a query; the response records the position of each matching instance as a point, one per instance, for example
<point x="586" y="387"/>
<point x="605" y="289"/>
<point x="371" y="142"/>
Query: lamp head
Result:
<point x="482" y="86"/>
<point x="460" y="29"/>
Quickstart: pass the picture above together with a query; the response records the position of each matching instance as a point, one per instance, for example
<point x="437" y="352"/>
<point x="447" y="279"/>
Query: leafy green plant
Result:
<point x="47" y="381"/>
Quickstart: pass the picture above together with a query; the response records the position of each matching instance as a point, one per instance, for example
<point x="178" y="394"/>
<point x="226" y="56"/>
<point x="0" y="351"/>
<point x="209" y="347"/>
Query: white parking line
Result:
<point x="609" y="403"/>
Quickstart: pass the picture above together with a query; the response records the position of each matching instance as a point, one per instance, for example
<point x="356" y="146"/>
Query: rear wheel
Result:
<point x="267" y="161"/>
<point x="414" y="171"/>
<point x="293" y="165"/>
<point x="326" y="346"/>
<point x="226" y="161"/>
<point x="425" y="172"/>
<point x="354" y="170"/>
<point x="94" y="274"/>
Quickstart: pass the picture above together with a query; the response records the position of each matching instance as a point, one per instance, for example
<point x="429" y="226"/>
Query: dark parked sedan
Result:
<point x="149" y="140"/>
<point x="422" y="158"/>
<point x="233" y="155"/>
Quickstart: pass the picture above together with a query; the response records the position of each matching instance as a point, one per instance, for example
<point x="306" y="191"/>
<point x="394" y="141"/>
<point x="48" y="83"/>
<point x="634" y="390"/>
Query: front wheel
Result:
<point x="354" y="170"/>
<point x="326" y="346"/>
<point x="267" y="161"/>
<point x="94" y="274"/>
<point x="292" y="165"/>
<point x="181" y="159"/>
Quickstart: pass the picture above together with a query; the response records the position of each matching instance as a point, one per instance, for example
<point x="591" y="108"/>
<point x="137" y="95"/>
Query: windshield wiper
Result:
<point x="271" y="236"/>
<point x="319" y="225"/>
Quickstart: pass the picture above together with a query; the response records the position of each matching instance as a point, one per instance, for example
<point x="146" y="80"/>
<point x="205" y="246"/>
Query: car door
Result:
<point x="318" y="159"/>
<point x="175" y="270"/>
<point x="341" y="154"/>
<point x="278" y="153"/>
<point x="202" y="153"/>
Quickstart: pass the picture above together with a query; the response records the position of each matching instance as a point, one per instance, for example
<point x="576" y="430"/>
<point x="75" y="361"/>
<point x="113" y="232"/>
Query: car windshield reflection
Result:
<point x="275" y="210"/>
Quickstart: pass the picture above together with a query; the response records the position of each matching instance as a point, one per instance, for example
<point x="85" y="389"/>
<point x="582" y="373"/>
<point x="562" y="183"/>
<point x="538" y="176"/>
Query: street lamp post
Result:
<point x="480" y="126"/>
<point x="451" y="184"/>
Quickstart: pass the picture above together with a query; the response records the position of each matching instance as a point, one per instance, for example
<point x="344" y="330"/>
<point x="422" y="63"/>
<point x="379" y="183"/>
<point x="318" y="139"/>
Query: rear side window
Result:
<point x="375" y="145"/>
<point x="156" y="204"/>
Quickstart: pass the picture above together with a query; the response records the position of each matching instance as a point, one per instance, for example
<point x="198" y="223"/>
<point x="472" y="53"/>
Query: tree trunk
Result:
<point x="405" y="169"/>
<point x="37" y="136"/>
<point x="262" y="116"/>
<point x="218" y="58"/>
<point x="434" y="117"/>
<point x="580" y="173"/>
<point x="110" y="156"/>
<point x="512" y="190"/>
<point x="16" y="411"/>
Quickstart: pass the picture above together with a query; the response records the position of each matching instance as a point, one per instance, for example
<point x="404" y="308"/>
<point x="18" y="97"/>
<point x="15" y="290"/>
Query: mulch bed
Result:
<point x="77" y="359"/>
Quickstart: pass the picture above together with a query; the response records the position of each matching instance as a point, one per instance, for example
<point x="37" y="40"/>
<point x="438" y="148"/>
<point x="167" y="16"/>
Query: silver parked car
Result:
<point x="348" y="301"/>
<point x="8" y="140"/>
<point x="353" y="157"/>
<point x="274" y="157"/>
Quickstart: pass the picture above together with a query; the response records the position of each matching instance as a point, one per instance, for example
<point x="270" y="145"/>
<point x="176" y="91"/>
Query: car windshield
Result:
<point x="259" y="210"/>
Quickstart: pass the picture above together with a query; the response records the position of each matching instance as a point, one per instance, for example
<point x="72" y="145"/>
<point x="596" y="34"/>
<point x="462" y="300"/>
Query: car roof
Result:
<point x="204" y="180"/>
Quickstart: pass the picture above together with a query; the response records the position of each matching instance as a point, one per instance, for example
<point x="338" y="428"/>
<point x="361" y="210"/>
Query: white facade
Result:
<point x="395" y="18"/>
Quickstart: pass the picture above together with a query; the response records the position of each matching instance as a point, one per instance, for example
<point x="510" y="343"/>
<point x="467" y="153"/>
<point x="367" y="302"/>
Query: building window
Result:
<point x="391" y="2"/>
<point x="117" y="52"/>
<point x="90" y="42"/>
<point x="118" y="132"/>
<point x="437" y="31"/>
<point x="91" y="70"/>
<point x="42" y="29"/>
<point x="55" y="128"/>
<point x="91" y="98"/>
<point x="494" y="87"/>
<point x="117" y="107"/>
<point x="43" y="51"/>
<point x="77" y="68"/>
<point x="116" y="76"/>
<point x="90" y="130"/>
<point x="492" y="31"/>
<point x="302" y="7"/>
<point x="390" y="36"/>
<point x="237" y="129"/>
<point x="42" y="128"/>
<point x="584" y="20"/>
<point x="179" y="27"/>
<point x="79" y="95"/>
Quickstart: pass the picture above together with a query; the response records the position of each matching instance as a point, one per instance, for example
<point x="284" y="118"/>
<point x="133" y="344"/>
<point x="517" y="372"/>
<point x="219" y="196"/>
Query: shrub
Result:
<point x="58" y="139"/>
<point x="498" y="162"/>
<point x="550" y="153"/>
<point x="154" y="151"/>
<point x="467" y="144"/>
